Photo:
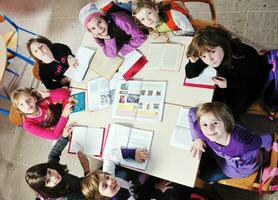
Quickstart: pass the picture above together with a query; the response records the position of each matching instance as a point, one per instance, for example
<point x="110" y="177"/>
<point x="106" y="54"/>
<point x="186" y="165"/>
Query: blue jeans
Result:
<point x="209" y="169"/>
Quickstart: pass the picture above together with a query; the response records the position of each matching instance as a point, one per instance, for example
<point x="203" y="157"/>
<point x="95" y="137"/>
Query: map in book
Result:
<point x="140" y="100"/>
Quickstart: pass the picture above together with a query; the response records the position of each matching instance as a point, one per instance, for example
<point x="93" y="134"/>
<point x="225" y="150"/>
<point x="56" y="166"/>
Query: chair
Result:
<point x="252" y="182"/>
<point x="15" y="117"/>
<point x="36" y="71"/>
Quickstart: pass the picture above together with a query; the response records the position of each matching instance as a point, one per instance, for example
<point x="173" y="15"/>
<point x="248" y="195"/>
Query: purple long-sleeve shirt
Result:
<point x="242" y="156"/>
<point x="124" y="22"/>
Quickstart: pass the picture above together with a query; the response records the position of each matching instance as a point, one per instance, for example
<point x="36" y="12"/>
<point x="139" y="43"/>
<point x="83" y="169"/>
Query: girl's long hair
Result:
<point x="40" y="39"/>
<point x="36" y="176"/>
<point x="206" y="39"/>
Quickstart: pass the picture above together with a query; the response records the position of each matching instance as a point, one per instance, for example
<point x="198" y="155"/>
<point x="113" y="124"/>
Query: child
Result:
<point x="241" y="71"/>
<point x="45" y="117"/>
<point x="54" y="59"/>
<point x="115" y="32"/>
<point x="51" y="179"/>
<point x="163" y="17"/>
<point x="235" y="150"/>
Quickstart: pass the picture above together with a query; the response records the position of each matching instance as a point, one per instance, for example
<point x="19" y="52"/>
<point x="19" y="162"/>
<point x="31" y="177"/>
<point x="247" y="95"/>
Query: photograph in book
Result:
<point x="87" y="139"/>
<point x="79" y="102"/>
<point x="140" y="100"/>
<point x="181" y="135"/>
<point x="101" y="92"/>
<point x="84" y="56"/>
<point x="119" y="136"/>
<point x="165" y="56"/>
<point x="204" y="80"/>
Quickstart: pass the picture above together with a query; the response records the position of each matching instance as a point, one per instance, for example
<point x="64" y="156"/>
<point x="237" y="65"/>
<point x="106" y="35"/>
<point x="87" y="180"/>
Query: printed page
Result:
<point x="126" y="99"/>
<point x="78" y="139"/>
<point x="129" y="60"/>
<point x="151" y="102"/>
<point x="138" y="138"/>
<point x="166" y="56"/>
<point x="118" y="136"/>
<point x="203" y="80"/>
<point x="104" y="65"/>
<point x="83" y="56"/>
<point x="94" y="140"/>
<point x="181" y="135"/>
<point x="98" y="94"/>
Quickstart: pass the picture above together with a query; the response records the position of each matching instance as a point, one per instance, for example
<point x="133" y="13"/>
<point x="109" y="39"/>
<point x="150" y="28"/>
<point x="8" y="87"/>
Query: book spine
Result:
<point x="135" y="68"/>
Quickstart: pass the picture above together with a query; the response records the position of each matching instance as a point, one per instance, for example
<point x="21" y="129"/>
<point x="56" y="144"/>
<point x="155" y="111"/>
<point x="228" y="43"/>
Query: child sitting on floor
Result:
<point x="163" y="17"/>
<point x="44" y="114"/>
<point x="234" y="152"/>
<point x="115" y="32"/>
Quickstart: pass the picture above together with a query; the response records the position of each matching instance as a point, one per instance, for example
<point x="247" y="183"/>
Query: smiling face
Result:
<point x="98" y="27"/>
<point x="214" y="57"/>
<point x="212" y="127"/>
<point x="108" y="185"/>
<point x="41" y="51"/>
<point x="26" y="104"/>
<point x="148" y="17"/>
<point x="52" y="178"/>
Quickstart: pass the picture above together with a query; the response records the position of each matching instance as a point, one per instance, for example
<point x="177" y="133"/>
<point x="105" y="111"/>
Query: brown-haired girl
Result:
<point x="241" y="71"/>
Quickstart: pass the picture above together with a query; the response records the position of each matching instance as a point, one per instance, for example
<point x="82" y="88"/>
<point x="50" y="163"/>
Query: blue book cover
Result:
<point x="79" y="99"/>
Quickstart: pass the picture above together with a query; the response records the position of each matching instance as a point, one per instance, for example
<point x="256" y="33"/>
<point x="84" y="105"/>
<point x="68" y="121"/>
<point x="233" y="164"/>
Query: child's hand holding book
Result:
<point x="141" y="155"/>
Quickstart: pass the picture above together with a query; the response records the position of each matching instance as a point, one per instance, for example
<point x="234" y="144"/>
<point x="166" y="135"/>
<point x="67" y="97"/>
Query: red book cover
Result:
<point x="199" y="85"/>
<point x="140" y="63"/>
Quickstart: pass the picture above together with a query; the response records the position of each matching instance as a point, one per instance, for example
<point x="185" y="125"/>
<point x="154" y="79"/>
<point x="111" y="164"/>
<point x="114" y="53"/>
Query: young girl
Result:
<point x="45" y="114"/>
<point x="115" y="32"/>
<point x="241" y="71"/>
<point x="54" y="59"/>
<point x="163" y="17"/>
<point x="51" y="179"/>
<point x="235" y="152"/>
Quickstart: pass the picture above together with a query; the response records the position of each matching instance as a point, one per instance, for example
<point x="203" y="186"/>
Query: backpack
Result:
<point x="270" y="91"/>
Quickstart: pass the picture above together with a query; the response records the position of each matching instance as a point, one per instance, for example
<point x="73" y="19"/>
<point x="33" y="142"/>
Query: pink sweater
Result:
<point x="34" y="124"/>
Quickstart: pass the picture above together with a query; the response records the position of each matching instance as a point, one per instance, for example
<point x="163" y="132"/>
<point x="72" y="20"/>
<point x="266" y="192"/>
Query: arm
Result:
<point x="193" y="70"/>
<point x="50" y="133"/>
<point x="126" y="23"/>
<point x="58" y="95"/>
<point x="47" y="78"/>
<point x="183" y="23"/>
<point x="56" y="151"/>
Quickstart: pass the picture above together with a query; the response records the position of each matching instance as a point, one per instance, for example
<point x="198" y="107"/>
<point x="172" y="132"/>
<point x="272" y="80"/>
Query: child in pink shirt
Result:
<point x="45" y="114"/>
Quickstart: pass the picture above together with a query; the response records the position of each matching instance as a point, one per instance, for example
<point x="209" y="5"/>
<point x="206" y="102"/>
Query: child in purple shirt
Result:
<point x="236" y="150"/>
<point x="115" y="32"/>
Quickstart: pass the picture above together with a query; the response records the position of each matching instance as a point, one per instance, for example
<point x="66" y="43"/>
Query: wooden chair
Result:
<point x="252" y="182"/>
<point x="36" y="71"/>
<point x="15" y="117"/>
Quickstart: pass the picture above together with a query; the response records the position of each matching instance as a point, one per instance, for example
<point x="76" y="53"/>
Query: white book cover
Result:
<point x="181" y="135"/>
<point x="84" y="56"/>
<point x="129" y="60"/>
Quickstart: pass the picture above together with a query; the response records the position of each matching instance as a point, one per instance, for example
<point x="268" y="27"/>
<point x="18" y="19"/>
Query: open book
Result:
<point x="133" y="62"/>
<point x="104" y="65"/>
<point x="101" y="92"/>
<point x="165" y="56"/>
<point x="87" y="139"/>
<point x="181" y="135"/>
<point x="84" y="56"/>
<point x="119" y="136"/>
<point x="204" y="80"/>
<point x="140" y="100"/>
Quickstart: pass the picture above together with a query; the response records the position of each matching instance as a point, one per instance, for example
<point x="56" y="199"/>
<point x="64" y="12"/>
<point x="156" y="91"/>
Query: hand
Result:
<point x="41" y="93"/>
<point x="220" y="81"/>
<point x="193" y="59"/>
<point x="154" y="34"/>
<point x="72" y="61"/>
<point x="198" y="147"/>
<point x="67" y="109"/>
<point x="163" y="185"/>
<point x="67" y="131"/>
<point x="106" y="37"/>
<point x="141" y="155"/>
<point x="84" y="162"/>
<point x="164" y="37"/>
<point x="65" y="81"/>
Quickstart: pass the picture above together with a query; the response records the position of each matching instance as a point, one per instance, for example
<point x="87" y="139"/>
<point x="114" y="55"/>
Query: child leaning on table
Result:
<point x="44" y="114"/>
<point x="115" y="32"/>
<point x="163" y="17"/>
<point x="54" y="59"/>
<point x="233" y="151"/>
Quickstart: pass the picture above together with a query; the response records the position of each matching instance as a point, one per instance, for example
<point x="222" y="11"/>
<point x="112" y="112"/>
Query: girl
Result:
<point x="235" y="151"/>
<point x="44" y="114"/>
<point x="241" y="71"/>
<point x="163" y="17"/>
<point x="115" y="32"/>
<point x="51" y="179"/>
<point x="54" y="59"/>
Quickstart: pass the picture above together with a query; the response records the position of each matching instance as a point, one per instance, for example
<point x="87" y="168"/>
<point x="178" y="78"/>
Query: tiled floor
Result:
<point x="256" y="21"/>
